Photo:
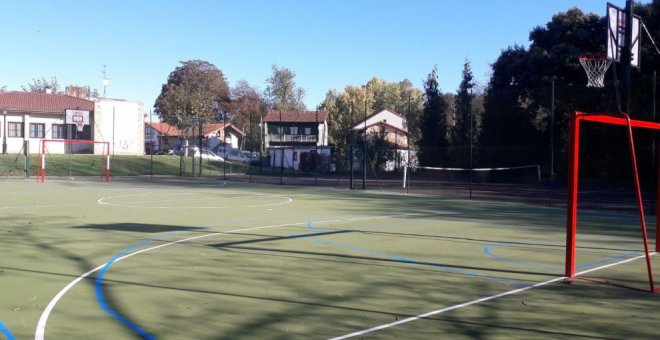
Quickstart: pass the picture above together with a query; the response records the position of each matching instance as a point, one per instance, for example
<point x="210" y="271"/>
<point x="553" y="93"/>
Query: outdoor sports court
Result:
<point x="210" y="259"/>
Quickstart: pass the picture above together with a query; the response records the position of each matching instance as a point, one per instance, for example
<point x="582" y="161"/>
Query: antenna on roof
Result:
<point x="105" y="81"/>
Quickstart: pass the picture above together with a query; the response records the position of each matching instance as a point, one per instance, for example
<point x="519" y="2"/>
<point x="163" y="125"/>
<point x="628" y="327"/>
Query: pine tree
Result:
<point x="433" y="142"/>
<point x="463" y="108"/>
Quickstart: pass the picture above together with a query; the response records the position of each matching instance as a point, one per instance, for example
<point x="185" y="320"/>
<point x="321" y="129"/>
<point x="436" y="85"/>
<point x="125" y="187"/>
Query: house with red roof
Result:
<point x="162" y="137"/>
<point x="219" y="133"/>
<point x="28" y="118"/>
<point x="297" y="140"/>
<point x="392" y="128"/>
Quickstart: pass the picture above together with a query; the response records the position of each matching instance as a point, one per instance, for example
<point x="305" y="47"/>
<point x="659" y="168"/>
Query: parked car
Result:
<point x="232" y="154"/>
<point x="251" y="158"/>
<point x="185" y="151"/>
<point x="209" y="155"/>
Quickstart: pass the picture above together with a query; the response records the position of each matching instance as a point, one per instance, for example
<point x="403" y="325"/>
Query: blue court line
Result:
<point x="317" y="231"/>
<point x="6" y="331"/>
<point x="100" y="297"/>
<point x="487" y="251"/>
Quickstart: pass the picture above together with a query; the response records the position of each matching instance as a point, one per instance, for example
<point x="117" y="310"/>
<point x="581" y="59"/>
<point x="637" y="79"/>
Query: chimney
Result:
<point x="76" y="91"/>
<point x="49" y="90"/>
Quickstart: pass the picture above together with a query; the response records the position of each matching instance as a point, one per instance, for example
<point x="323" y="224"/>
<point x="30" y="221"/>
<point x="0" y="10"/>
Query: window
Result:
<point x="308" y="131"/>
<point x="59" y="131"/>
<point x="294" y="130"/>
<point x="37" y="130"/>
<point x="15" y="129"/>
<point x="295" y="156"/>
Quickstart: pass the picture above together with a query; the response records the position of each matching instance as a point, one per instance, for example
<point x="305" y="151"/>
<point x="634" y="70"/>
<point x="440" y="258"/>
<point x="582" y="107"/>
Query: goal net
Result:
<point x="69" y="158"/>
<point x="620" y="119"/>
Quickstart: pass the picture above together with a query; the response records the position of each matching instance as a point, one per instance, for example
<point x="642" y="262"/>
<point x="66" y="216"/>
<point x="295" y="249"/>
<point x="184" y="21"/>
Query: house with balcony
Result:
<point x="392" y="130"/>
<point x="297" y="140"/>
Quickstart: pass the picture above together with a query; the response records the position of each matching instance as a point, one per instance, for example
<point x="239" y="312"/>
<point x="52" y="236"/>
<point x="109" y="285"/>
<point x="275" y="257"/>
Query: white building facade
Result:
<point x="28" y="119"/>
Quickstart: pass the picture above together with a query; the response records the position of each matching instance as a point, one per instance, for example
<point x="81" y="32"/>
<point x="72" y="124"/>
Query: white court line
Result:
<point x="41" y="325"/>
<point x="484" y="299"/>
<point x="47" y="206"/>
<point x="129" y="204"/>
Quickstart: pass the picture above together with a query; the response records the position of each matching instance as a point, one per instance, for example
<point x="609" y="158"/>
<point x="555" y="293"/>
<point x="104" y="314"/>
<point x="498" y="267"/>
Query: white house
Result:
<point x="160" y="137"/>
<point x="295" y="140"/>
<point x="394" y="129"/>
<point x="218" y="133"/>
<point x="28" y="118"/>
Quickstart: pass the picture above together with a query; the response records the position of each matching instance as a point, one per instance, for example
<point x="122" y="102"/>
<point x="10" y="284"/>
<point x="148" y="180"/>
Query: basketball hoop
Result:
<point x="595" y="65"/>
<point x="79" y="118"/>
<point x="79" y="121"/>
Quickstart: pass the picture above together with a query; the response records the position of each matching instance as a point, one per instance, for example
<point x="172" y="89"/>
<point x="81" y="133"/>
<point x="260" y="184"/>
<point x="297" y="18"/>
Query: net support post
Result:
<point x="571" y="214"/>
<point x="43" y="168"/>
<point x="107" y="168"/>
<point x="657" y="209"/>
<point x="42" y="162"/>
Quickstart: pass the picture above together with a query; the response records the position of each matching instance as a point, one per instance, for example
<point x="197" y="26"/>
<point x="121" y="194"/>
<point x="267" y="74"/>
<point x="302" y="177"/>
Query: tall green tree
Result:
<point x="346" y="108"/>
<point x="505" y="123"/>
<point x="195" y="92"/>
<point x="282" y="93"/>
<point x="463" y="112"/>
<point x="433" y="125"/>
<point x="246" y="110"/>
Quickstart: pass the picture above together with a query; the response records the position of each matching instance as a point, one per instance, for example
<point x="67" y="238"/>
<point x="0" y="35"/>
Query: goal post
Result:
<point x="621" y="119"/>
<point x="98" y="147"/>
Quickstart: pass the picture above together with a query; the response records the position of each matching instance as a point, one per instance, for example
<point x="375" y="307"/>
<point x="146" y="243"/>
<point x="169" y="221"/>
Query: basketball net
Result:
<point x="595" y="65"/>
<point x="80" y="122"/>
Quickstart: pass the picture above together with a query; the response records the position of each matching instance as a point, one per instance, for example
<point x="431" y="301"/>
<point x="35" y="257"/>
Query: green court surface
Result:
<point x="209" y="259"/>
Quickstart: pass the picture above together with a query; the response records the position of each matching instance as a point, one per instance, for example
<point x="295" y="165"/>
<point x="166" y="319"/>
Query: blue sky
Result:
<point x="328" y="44"/>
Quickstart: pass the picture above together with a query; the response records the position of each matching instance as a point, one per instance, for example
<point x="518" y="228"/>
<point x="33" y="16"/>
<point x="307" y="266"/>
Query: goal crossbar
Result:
<point x="621" y="119"/>
<point x="42" y="154"/>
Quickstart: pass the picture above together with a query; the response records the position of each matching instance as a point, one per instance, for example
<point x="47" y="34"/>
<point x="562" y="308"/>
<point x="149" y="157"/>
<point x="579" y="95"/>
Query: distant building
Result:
<point x="161" y="137"/>
<point x="297" y="140"/>
<point x="216" y="133"/>
<point x="389" y="124"/>
<point x="393" y="128"/>
<point x="29" y="117"/>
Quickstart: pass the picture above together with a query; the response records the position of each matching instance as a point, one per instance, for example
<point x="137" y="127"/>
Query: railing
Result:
<point x="292" y="138"/>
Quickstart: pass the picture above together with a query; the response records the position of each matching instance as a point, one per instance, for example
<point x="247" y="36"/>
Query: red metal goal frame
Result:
<point x="573" y="163"/>
<point x="42" y="155"/>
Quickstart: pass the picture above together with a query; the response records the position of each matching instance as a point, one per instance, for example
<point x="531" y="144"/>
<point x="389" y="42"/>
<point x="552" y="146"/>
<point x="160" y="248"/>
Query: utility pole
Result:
<point x="364" y="145"/>
<point x="105" y="81"/>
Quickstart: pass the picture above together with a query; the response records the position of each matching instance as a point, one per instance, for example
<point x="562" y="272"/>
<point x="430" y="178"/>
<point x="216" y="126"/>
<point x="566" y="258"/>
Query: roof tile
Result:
<point x="273" y="116"/>
<point x="42" y="102"/>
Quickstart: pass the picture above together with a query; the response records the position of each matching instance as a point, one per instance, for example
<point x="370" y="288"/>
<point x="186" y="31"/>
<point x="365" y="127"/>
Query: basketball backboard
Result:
<point x="78" y="117"/>
<point x="616" y="35"/>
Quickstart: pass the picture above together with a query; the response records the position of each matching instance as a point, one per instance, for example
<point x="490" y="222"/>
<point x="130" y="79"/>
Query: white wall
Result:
<point x="391" y="118"/>
<point x="122" y="124"/>
<point x="15" y="144"/>
<point x="276" y="156"/>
